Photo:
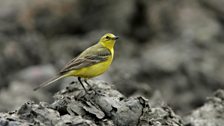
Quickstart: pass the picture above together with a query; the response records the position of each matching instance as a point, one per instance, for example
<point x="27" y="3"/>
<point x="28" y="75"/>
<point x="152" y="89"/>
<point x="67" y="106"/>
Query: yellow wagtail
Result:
<point x="92" y="62"/>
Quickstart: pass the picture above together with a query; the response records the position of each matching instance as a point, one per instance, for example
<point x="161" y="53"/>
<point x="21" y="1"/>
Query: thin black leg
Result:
<point x="91" y="88"/>
<point x="85" y="80"/>
<point x="80" y="81"/>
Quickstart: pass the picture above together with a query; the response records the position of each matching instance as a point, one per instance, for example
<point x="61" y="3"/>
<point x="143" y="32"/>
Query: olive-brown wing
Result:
<point x="87" y="59"/>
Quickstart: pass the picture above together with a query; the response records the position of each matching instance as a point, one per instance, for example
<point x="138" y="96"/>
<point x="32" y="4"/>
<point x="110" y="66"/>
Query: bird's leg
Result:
<point x="80" y="81"/>
<point x="85" y="80"/>
<point x="91" y="88"/>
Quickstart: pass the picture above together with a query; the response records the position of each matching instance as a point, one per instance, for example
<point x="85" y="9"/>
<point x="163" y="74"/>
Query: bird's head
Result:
<point x="108" y="40"/>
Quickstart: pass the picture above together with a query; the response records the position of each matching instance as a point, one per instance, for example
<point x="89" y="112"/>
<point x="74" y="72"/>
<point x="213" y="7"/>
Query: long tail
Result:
<point x="50" y="81"/>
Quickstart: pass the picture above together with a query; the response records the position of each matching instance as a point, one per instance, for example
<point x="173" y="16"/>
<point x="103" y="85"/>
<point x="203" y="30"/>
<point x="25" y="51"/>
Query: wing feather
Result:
<point x="88" y="58"/>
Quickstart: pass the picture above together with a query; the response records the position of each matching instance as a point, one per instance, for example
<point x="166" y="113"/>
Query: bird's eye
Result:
<point x="107" y="37"/>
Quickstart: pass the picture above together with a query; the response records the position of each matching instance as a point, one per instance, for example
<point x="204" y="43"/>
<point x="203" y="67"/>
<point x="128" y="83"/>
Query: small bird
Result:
<point x="92" y="62"/>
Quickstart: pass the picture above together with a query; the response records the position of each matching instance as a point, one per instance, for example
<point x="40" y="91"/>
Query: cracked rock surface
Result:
<point x="102" y="105"/>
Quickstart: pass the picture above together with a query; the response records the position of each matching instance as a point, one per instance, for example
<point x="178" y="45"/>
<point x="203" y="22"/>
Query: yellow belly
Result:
<point x="92" y="71"/>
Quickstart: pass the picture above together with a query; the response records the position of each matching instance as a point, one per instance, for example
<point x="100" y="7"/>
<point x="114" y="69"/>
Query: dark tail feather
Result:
<point x="50" y="81"/>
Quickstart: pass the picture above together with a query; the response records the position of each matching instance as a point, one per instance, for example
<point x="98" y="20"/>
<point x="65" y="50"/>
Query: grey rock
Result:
<point x="210" y="114"/>
<point x="102" y="105"/>
<point x="19" y="92"/>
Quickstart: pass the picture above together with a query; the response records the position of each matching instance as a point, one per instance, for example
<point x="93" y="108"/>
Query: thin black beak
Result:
<point x="116" y="37"/>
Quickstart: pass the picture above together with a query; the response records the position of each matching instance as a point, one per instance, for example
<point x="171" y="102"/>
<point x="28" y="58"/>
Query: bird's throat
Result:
<point x="109" y="45"/>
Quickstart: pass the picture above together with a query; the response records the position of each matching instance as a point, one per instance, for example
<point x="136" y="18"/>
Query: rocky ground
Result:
<point x="103" y="105"/>
<point x="170" y="52"/>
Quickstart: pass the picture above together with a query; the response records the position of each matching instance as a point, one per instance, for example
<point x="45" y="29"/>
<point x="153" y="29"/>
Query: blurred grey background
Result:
<point x="170" y="51"/>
